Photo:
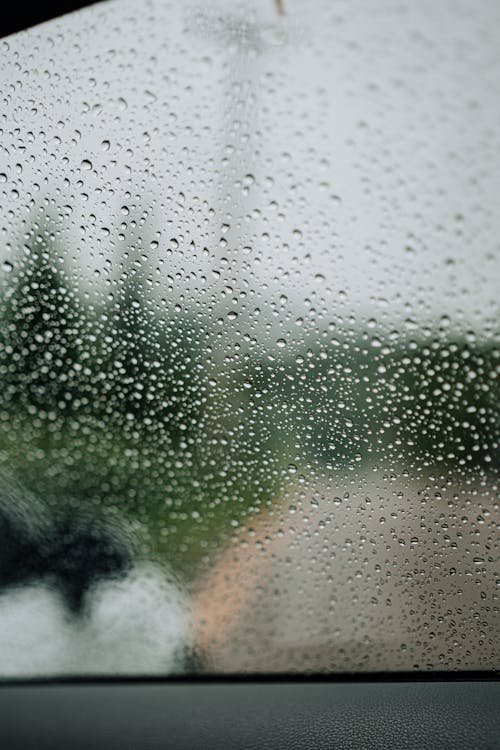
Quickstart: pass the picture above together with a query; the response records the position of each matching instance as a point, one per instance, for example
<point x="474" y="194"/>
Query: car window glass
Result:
<point x="249" y="405"/>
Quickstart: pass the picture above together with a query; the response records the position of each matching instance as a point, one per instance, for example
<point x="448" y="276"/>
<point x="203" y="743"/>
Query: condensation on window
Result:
<point x="249" y="356"/>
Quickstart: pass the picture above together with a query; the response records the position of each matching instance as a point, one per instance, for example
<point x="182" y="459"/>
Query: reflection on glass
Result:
<point x="249" y="414"/>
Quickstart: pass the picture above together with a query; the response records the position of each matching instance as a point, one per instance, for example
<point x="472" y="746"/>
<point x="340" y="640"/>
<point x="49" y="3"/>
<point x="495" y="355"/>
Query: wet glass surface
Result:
<point x="249" y="360"/>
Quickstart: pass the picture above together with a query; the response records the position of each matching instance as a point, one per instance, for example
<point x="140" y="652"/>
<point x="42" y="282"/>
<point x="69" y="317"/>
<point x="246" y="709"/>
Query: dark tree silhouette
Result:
<point x="147" y="378"/>
<point x="42" y="323"/>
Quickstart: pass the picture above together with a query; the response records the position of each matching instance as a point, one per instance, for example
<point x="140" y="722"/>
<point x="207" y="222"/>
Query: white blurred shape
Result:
<point x="137" y="625"/>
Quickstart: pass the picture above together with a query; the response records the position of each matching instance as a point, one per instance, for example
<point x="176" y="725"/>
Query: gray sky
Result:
<point x="344" y="158"/>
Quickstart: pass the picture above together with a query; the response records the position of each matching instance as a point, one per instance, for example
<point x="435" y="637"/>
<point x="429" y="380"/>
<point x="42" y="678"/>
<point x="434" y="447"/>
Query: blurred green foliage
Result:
<point x="110" y="402"/>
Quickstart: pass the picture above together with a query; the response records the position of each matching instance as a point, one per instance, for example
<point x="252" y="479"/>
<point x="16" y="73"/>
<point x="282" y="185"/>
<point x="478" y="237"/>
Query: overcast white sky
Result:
<point x="352" y="148"/>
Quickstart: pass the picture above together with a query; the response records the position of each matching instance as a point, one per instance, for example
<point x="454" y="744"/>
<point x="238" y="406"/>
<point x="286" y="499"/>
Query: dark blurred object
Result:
<point x="21" y="17"/>
<point x="72" y="553"/>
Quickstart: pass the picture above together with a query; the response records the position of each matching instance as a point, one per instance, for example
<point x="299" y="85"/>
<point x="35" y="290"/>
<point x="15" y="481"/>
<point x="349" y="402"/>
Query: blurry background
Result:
<point x="249" y="325"/>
